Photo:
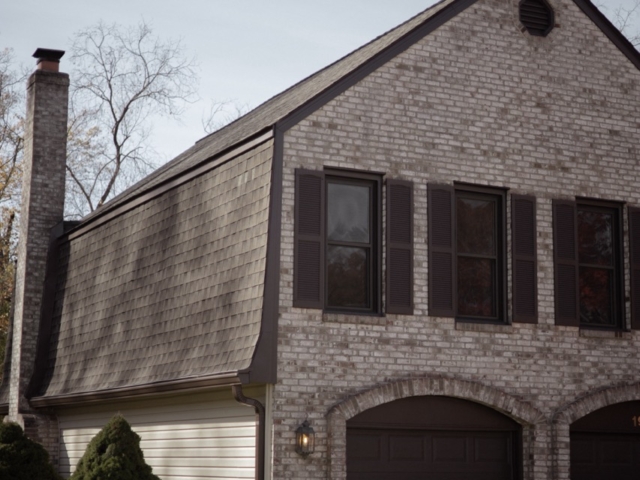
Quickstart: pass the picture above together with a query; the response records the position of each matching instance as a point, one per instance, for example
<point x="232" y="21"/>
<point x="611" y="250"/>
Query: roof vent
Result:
<point x="537" y="17"/>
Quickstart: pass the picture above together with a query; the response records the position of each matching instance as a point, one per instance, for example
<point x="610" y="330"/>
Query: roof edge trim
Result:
<point x="610" y="30"/>
<point x="264" y="363"/>
<point x="180" y="179"/>
<point x="139" y="391"/>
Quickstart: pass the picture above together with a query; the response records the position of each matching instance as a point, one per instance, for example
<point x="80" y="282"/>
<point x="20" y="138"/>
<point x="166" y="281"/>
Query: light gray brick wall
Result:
<point x="476" y="101"/>
<point x="42" y="209"/>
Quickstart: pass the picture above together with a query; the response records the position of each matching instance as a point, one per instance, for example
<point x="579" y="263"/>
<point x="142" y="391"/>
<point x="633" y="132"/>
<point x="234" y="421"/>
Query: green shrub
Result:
<point x="21" y="458"/>
<point x="114" y="454"/>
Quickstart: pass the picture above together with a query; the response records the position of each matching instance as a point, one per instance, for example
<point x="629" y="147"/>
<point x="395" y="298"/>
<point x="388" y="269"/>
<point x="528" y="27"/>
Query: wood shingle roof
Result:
<point x="173" y="287"/>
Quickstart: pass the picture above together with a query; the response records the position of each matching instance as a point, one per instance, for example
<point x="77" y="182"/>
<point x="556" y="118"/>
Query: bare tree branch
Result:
<point x="11" y="131"/>
<point x="222" y="113"/>
<point x="122" y="78"/>
<point x="626" y="19"/>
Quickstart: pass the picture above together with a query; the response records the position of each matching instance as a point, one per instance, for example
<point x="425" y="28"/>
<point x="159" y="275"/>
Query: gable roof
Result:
<point x="327" y="83"/>
<point x="283" y="105"/>
<point x="100" y="338"/>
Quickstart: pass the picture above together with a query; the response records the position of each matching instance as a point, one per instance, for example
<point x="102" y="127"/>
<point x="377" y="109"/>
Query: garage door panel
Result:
<point x="366" y="447"/>
<point x="605" y="444"/>
<point x="432" y="438"/>
<point x="391" y="454"/>
<point x="616" y="452"/>
<point x="583" y="451"/>
<point x="407" y="447"/>
<point x="604" y="456"/>
<point x="449" y="449"/>
<point x="492" y="449"/>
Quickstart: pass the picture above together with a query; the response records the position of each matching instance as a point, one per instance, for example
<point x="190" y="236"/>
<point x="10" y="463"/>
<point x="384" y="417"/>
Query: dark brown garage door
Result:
<point x="605" y="445"/>
<point x="432" y="438"/>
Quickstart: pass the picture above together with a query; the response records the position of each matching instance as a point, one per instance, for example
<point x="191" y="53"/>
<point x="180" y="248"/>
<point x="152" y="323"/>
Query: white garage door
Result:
<point x="188" y="437"/>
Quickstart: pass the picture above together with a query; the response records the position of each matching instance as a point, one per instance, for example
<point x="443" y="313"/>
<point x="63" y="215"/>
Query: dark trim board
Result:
<point x="264" y="364"/>
<point x="124" y="393"/>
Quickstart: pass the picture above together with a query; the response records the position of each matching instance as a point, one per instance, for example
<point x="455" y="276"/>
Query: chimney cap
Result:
<point x="46" y="54"/>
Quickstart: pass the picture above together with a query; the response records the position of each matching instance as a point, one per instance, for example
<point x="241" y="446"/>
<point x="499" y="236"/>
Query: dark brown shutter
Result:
<point x="441" y="251"/>
<point x="308" y="269"/>
<point x="565" y="254"/>
<point x="634" y="262"/>
<point x="525" y="263"/>
<point x="399" y="286"/>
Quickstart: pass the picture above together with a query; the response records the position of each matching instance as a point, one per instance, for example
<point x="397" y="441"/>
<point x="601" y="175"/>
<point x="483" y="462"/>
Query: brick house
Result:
<point x="428" y="250"/>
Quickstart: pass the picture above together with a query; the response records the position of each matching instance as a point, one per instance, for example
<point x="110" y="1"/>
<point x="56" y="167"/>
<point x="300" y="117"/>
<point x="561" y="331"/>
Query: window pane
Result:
<point x="596" y="292"/>
<point x="595" y="237"/>
<point x="476" y="222"/>
<point x="348" y="212"/>
<point x="476" y="287"/>
<point x="347" y="277"/>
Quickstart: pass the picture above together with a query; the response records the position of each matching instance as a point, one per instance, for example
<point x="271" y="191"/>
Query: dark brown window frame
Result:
<point x="566" y="263"/>
<point x="617" y="302"/>
<point x="501" y="252"/>
<point x="310" y="241"/>
<point x="375" y="260"/>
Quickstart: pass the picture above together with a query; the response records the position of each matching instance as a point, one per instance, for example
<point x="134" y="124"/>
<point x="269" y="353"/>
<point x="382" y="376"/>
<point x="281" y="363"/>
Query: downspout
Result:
<point x="260" y="443"/>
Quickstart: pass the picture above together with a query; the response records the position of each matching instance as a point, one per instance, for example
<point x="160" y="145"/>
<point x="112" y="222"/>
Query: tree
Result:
<point x="11" y="130"/>
<point x="11" y="149"/>
<point x="21" y="458"/>
<point x="114" y="453"/>
<point x="121" y="78"/>
<point x="222" y="113"/>
<point x="625" y="18"/>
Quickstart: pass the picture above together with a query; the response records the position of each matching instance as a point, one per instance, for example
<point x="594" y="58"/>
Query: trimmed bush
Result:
<point x="114" y="454"/>
<point x="21" y="458"/>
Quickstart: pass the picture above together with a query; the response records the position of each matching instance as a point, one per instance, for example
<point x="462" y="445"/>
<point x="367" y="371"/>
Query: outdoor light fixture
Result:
<point x="305" y="439"/>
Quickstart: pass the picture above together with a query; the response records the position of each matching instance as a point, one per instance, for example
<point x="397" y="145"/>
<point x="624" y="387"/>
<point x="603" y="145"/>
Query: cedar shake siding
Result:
<point x="172" y="289"/>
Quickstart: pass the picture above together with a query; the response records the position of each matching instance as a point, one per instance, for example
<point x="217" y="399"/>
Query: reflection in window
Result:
<point x="348" y="213"/>
<point x="347" y="277"/>
<point x="478" y="254"/>
<point x="597" y="256"/>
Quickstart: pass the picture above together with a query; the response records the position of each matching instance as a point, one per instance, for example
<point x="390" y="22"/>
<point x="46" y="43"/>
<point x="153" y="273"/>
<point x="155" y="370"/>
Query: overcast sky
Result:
<point x="248" y="50"/>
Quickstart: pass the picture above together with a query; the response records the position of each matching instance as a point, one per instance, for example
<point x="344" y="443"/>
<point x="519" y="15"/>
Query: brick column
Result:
<point x="42" y="209"/>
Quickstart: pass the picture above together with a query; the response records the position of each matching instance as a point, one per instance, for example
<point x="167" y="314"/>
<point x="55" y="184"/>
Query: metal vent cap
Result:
<point x="537" y="17"/>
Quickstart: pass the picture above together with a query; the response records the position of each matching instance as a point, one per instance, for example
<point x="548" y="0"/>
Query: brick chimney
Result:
<point x="42" y="209"/>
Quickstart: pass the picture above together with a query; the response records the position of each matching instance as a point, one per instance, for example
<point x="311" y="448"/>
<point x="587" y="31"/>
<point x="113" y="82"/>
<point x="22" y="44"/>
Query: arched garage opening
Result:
<point x="433" y="437"/>
<point x="605" y="444"/>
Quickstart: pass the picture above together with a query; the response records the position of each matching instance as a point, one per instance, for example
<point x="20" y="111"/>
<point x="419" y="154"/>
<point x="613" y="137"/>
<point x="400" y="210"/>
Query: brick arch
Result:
<point x="595" y="400"/>
<point x="565" y="415"/>
<point x="337" y="417"/>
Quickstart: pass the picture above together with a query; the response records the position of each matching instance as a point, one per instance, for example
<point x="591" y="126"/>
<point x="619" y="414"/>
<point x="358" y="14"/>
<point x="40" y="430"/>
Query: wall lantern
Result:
<point x="305" y="439"/>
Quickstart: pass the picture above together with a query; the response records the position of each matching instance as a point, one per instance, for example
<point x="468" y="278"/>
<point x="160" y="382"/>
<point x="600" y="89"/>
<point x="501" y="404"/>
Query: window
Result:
<point x="351" y="244"/>
<point x="479" y="252"/>
<point x="338" y="243"/>
<point x="599" y="266"/>
<point x="588" y="264"/>
<point x="467" y="276"/>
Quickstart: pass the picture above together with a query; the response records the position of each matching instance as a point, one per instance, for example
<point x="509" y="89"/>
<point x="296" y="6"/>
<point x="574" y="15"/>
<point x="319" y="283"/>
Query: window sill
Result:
<point x="594" y="333"/>
<point x="354" y="319"/>
<point x="483" y="327"/>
